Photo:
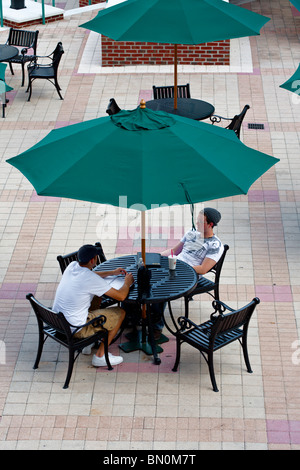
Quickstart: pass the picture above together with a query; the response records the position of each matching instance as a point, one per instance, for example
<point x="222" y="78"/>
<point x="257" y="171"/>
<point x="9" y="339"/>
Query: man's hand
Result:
<point x="119" y="271"/>
<point x="129" y="279"/>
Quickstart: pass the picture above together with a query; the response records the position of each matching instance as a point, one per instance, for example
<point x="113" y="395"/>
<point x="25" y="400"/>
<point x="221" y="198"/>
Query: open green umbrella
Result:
<point x="176" y="22"/>
<point x="296" y="4"/>
<point x="152" y="158"/>
<point x="293" y="83"/>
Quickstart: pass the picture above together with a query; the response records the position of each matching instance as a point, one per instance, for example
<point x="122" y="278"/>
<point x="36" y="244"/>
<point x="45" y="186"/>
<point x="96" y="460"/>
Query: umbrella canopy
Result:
<point x="296" y="4"/>
<point x="176" y="22"/>
<point x="293" y="83"/>
<point x="3" y="86"/>
<point x="153" y="158"/>
<point x="150" y="157"/>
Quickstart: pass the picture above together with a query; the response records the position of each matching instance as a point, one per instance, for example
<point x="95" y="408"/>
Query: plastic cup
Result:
<point x="172" y="262"/>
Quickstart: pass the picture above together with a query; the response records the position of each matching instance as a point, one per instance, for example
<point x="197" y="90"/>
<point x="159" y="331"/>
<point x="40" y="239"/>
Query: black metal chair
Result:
<point x="161" y="92"/>
<point x="45" y="71"/>
<point x="236" y="121"/>
<point x="222" y="329"/>
<point x="112" y="107"/>
<point x="65" y="260"/>
<point x="27" y="40"/>
<point x="54" y="325"/>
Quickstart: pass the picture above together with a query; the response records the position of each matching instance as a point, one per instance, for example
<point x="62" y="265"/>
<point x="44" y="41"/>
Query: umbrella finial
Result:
<point x="143" y="104"/>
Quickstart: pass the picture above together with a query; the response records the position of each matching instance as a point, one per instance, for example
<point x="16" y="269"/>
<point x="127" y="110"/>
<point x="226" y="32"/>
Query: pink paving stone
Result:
<point x="277" y="437"/>
<point x="36" y="198"/>
<point x="295" y="12"/>
<point x="263" y="196"/>
<point x="16" y="290"/>
<point x="145" y="95"/>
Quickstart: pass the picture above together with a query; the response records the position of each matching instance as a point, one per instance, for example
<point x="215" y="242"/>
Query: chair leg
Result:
<point x="11" y="68"/>
<point x="3" y="110"/>
<point x="177" y="360"/>
<point x="246" y="356"/>
<point x="58" y="88"/>
<point x="210" y="362"/>
<point x="23" y="74"/>
<point x="40" y="348"/>
<point x="30" y="89"/>
<point x="70" y="368"/>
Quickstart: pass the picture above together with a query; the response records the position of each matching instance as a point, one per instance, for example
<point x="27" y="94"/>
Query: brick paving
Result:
<point x="139" y="405"/>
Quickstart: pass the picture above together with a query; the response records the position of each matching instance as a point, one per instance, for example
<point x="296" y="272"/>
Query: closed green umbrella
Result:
<point x="293" y="83"/>
<point x="176" y="22"/>
<point x="150" y="157"/>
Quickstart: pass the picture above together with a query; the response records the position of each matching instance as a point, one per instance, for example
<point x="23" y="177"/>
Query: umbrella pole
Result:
<point x="175" y="76"/>
<point x="143" y="251"/>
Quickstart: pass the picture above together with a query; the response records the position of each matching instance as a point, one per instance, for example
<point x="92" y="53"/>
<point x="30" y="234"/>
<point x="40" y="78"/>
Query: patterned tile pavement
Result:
<point x="139" y="405"/>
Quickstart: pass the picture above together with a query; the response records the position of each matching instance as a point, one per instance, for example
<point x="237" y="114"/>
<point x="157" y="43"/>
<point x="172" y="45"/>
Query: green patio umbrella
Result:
<point x="293" y="83"/>
<point x="176" y="22"/>
<point x="296" y="4"/>
<point x="153" y="158"/>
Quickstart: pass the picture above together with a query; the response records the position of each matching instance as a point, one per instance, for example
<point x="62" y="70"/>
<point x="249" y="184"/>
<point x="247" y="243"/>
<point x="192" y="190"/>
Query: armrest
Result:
<point x="215" y="118"/>
<point x="187" y="323"/>
<point x="98" y="321"/>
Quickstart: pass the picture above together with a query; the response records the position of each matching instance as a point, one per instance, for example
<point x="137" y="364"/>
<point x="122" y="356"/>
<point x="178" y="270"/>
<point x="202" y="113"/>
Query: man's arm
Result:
<point x="176" y="250"/>
<point x="206" y="266"/>
<point x="121" y="294"/>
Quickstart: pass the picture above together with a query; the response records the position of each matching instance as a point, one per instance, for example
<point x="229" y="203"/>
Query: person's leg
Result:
<point x="114" y="321"/>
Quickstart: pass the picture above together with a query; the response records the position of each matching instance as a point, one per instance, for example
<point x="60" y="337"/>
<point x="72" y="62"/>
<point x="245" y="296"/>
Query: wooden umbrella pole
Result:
<point x="175" y="76"/>
<point x="143" y="251"/>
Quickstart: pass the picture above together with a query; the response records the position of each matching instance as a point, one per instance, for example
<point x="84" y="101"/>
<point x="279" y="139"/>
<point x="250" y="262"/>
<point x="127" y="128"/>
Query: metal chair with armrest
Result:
<point x="236" y="121"/>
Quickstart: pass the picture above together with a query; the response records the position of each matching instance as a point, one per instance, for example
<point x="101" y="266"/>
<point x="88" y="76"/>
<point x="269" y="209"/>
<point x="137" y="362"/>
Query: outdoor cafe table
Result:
<point x="164" y="287"/>
<point x="7" y="52"/>
<point x="186" y="107"/>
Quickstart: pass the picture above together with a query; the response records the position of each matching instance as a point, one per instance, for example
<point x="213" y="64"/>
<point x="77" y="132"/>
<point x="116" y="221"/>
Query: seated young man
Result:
<point x="79" y="287"/>
<point x="199" y="248"/>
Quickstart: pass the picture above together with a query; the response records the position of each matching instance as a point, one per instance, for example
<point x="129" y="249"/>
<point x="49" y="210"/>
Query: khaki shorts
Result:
<point x="113" y="316"/>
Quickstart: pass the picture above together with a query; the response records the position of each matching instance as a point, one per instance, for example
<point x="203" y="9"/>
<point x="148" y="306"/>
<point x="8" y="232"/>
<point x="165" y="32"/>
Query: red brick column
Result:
<point x="120" y="53"/>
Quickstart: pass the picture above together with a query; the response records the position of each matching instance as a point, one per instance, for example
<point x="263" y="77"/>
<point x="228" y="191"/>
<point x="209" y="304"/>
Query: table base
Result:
<point x="138" y="342"/>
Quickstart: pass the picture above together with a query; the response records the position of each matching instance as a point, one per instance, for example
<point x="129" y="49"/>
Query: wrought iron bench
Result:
<point x="54" y="325"/>
<point x="221" y="330"/>
<point x="27" y="40"/>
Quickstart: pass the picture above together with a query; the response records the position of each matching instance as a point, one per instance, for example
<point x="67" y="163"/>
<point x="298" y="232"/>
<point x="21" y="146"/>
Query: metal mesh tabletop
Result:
<point x="164" y="286"/>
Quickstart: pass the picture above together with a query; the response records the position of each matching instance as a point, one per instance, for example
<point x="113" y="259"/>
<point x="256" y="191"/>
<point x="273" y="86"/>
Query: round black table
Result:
<point x="7" y="52"/>
<point x="164" y="286"/>
<point x="186" y="107"/>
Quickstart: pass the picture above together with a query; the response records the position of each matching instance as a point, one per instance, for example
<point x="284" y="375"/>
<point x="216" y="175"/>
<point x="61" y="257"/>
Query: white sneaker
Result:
<point x="101" y="362"/>
<point x="87" y="350"/>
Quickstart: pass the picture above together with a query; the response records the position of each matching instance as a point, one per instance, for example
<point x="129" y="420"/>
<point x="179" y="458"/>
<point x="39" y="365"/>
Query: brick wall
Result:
<point x="85" y="3"/>
<point x="120" y="53"/>
<point x="29" y="23"/>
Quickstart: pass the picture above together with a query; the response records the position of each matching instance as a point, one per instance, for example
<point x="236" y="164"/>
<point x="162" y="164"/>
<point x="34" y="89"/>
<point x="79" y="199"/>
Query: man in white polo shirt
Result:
<point x="77" y="289"/>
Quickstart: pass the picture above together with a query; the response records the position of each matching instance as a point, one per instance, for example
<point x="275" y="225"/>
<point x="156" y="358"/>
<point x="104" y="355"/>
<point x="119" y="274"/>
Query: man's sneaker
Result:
<point x="87" y="350"/>
<point x="101" y="362"/>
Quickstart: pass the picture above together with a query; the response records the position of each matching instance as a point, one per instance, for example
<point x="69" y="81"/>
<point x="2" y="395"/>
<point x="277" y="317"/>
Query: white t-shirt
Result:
<point x="196" y="248"/>
<point x="75" y="292"/>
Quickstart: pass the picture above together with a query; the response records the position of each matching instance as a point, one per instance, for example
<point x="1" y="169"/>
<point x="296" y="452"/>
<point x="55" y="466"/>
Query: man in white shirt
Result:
<point x="77" y="289"/>
<point x="199" y="248"/>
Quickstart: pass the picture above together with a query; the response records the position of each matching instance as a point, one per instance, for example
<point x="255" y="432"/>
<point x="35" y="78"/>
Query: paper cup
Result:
<point x="172" y="262"/>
